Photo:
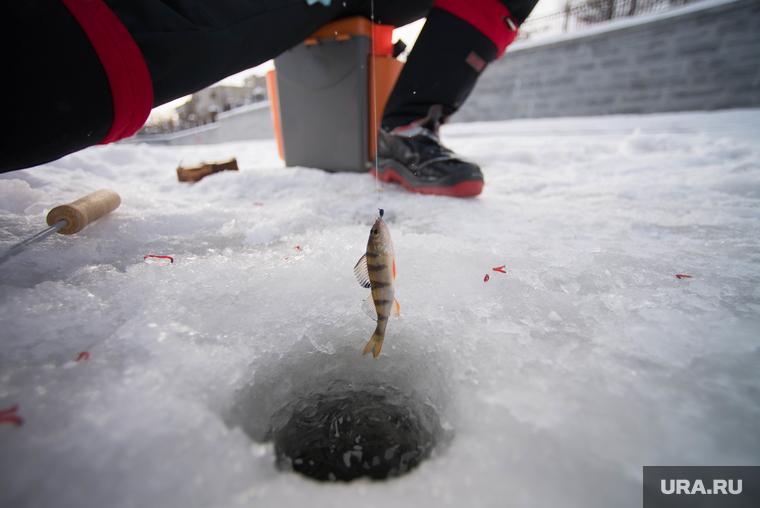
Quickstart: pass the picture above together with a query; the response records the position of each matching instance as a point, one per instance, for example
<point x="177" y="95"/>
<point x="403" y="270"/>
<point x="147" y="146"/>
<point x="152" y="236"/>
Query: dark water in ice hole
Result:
<point x="353" y="434"/>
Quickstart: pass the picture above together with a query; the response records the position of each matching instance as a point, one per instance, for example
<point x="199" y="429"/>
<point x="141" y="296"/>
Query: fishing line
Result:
<point x="374" y="103"/>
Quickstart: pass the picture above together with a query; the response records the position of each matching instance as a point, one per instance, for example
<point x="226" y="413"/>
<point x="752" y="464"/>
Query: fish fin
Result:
<point x="369" y="307"/>
<point x="362" y="272"/>
<point x="374" y="345"/>
<point x="396" y="308"/>
<point x="394" y="268"/>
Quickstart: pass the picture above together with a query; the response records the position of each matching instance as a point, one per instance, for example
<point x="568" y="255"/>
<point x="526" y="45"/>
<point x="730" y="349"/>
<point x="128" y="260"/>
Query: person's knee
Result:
<point x="61" y="95"/>
<point x="490" y="17"/>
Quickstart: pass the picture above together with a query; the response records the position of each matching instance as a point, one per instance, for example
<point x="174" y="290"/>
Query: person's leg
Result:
<point x="57" y="96"/>
<point x="458" y="41"/>
<point x="112" y="59"/>
<point x="83" y="73"/>
<point x="189" y="44"/>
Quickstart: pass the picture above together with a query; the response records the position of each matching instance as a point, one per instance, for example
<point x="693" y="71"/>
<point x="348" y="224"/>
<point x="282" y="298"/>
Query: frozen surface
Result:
<point x="558" y="379"/>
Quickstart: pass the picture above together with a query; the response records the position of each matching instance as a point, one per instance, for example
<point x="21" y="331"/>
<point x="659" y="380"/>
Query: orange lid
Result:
<point x="342" y="29"/>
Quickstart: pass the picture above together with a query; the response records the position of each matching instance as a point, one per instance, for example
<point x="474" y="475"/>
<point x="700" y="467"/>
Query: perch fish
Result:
<point x="377" y="270"/>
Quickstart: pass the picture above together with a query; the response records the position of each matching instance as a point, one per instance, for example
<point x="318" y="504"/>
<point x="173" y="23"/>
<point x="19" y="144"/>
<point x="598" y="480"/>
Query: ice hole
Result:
<point x="344" y="436"/>
<point x="342" y="416"/>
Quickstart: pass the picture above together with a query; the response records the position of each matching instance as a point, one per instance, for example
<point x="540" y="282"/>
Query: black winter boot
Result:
<point x="439" y="74"/>
<point x="414" y="156"/>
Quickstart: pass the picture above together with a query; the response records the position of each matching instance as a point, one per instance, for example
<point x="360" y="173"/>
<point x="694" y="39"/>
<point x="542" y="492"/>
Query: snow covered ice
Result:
<point x="552" y="383"/>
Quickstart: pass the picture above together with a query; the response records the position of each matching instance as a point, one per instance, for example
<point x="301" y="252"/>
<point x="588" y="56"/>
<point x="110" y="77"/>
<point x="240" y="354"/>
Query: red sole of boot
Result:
<point x="465" y="189"/>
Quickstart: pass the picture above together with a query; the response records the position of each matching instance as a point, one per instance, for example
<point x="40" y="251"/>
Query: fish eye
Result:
<point x="375" y="231"/>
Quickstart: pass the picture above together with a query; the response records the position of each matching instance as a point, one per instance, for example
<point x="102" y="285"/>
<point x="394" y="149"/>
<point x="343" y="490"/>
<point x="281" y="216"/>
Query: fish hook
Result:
<point x="381" y="212"/>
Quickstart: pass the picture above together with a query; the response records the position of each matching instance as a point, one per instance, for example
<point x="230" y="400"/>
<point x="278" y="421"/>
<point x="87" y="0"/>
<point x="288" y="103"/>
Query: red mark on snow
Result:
<point x="171" y="259"/>
<point x="84" y="355"/>
<point x="680" y="276"/>
<point x="298" y="248"/>
<point x="500" y="269"/>
<point x="258" y="204"/>
<point x="9" y="416"/>
<point x="486" y="279"/>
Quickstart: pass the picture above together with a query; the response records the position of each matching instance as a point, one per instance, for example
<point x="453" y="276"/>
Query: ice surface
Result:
<point x="558" y="379"/>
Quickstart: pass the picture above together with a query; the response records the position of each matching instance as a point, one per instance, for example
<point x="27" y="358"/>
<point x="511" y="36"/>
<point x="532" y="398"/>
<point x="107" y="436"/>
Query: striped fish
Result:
<point x="377" y="270"/>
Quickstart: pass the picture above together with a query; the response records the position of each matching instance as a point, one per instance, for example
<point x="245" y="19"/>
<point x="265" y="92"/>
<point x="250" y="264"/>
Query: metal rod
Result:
<point x="16" y="249"/>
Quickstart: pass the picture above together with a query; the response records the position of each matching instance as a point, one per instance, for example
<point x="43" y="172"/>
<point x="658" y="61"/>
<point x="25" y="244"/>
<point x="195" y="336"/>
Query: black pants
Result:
<point x="59" y="96"/>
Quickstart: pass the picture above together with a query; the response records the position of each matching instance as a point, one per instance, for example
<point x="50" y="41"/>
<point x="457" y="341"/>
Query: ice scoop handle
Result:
<point x="84" y="210"/>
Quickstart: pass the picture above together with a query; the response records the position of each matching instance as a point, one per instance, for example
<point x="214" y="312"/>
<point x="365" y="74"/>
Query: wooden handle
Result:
<point x="84" y="210"/>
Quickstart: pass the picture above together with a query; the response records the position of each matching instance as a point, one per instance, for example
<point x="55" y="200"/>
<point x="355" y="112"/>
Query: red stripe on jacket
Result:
<point x="124" y="65"/>
<point x="490" y="17"/>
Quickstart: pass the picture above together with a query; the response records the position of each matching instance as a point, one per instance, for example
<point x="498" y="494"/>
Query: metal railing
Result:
<point x="590" y="13"/>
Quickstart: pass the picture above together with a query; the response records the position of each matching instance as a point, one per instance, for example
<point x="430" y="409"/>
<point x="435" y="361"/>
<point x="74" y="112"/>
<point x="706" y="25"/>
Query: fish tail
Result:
<point x="374" y="345"/>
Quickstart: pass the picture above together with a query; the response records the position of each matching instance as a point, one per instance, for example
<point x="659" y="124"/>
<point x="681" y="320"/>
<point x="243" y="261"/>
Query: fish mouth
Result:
<point x="333" y="417"/>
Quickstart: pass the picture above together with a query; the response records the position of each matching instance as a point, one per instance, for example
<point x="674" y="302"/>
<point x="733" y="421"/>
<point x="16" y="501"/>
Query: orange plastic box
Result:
<point x="323" y="91"/>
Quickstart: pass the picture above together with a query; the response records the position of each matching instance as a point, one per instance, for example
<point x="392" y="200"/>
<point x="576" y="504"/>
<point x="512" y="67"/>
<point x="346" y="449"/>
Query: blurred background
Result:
<point x="571" y="58"/>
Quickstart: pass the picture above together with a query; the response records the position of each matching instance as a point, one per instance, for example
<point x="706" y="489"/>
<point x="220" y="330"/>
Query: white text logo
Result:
<point x="685" y="487"/>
